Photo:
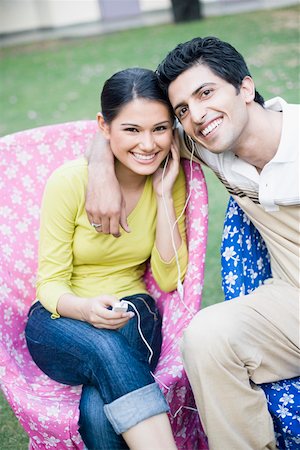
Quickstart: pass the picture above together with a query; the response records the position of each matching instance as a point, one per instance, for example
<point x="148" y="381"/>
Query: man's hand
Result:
<point x="104" y="204"/>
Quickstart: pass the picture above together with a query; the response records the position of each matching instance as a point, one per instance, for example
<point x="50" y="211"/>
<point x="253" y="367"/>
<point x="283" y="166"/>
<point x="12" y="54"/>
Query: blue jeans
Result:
<point x="118" y="388"/>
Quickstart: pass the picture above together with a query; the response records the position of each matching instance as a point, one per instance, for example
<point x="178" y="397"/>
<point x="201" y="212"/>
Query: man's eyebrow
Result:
<point x="194" y="93"/>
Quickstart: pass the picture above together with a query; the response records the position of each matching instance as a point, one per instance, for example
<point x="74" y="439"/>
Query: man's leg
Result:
<point x="230" y="345"/>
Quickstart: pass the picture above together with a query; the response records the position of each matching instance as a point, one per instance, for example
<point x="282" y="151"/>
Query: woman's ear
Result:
<point x="248" y="89"/>
<point x="103" y="126"/>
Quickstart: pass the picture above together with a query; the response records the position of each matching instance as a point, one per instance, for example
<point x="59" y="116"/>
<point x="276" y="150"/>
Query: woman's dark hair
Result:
<point x="223" y="59"/>
<point x="127" y="85"/>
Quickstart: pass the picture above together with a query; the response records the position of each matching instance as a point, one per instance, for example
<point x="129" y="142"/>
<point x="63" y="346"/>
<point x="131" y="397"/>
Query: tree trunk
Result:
<point x="186" y="10"/>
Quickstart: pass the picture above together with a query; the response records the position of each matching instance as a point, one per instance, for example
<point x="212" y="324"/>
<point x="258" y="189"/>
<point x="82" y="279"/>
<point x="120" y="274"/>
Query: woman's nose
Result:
<point x="147" y="142"/>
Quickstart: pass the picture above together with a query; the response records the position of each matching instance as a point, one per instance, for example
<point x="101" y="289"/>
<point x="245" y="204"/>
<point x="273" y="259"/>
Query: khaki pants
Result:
<point x="226" y="347"/>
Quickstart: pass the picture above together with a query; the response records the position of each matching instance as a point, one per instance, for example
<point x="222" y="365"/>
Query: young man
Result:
<point x="253" y="147"/>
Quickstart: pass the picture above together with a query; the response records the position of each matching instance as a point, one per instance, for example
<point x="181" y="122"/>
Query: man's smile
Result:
<point x="211" y="127"/>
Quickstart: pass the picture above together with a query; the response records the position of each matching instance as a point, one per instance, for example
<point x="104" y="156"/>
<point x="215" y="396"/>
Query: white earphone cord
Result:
<point x="150" y="357"/>
<point x="172" y="227"/>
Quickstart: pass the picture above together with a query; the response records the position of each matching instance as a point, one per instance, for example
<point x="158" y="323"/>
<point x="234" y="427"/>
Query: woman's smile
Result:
<point x="144" y="158"/>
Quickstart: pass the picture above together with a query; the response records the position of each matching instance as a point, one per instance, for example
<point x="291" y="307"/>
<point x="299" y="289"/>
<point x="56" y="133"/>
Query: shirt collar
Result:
<point x="286" y="149"/>
<point x="244" y="168"/>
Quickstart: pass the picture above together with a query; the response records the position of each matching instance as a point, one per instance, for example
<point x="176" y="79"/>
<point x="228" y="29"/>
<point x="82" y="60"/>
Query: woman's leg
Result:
<point x="154" y="432"/>
<point x="91" y="415"/>
<point x="81" y="354"/>
<point x="148" y="320"/>
<point x="74" y="352"/>
<point x="98" y="434"/>
<point x="94" y="427"/>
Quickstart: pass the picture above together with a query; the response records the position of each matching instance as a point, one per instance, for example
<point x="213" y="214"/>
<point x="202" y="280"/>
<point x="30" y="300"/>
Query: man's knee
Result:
<point x="204" y="327"/>
<point x="211" y="333"/>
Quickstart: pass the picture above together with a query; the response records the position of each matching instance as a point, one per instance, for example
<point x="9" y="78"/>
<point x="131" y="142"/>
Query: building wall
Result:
<point x="152" y="5"/>
<point x="29" y="15"/>
<point x="18" y="15"/>
<point x="24" y="15"/>
<point x="119" y="9"/>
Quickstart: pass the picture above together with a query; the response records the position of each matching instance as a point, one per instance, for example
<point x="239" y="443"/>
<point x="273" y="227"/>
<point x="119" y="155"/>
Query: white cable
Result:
<point x="140" y="330"/>
<point x="159" y="381"/>
<point x="183" y="407"/>
<point x="190" y="183"/>
<point x="168" y="217"/>
<point x="172" y="227"/>
<point x="150" y="357"/>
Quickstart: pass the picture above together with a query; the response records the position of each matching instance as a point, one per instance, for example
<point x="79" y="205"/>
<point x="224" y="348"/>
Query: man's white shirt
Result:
<point x="278" y="183"/>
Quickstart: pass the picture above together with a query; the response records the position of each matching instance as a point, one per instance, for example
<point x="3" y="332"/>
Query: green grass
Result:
<point x="12" y="435"/>
<point x="59" y="81"/>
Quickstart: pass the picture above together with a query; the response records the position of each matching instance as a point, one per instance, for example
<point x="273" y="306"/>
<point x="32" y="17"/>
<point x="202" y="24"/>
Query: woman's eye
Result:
<point x="131" y="130"/>
<point x="160" y="128"/>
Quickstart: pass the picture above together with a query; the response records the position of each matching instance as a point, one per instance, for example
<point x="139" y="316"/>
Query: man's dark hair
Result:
<point x="222" y="59"/>
<point x="128" y="85"/>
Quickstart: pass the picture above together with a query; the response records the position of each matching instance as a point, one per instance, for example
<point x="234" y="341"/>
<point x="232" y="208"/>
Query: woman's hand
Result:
<point x="95" y="311"/>
<point x="166" y="185"/>
<point x="104" y="201"/>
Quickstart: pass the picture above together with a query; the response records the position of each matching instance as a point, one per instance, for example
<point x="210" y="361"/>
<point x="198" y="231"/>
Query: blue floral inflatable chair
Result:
<point x="245" y="265"/>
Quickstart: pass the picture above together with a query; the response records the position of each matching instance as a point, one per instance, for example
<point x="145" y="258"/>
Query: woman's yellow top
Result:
<point x="74" y="258"/>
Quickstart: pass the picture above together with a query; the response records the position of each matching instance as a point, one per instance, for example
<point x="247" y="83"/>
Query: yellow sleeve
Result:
<point x="55" y="260"/>
<point x="166" y="273"/>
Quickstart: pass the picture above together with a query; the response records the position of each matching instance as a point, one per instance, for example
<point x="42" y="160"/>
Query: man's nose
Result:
<point x="197" y="112"/>
<point x="147" y="142"/>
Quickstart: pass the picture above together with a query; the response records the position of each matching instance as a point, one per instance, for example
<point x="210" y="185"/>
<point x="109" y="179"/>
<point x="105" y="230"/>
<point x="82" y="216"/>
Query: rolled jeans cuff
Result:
<point x="136" y="406"/>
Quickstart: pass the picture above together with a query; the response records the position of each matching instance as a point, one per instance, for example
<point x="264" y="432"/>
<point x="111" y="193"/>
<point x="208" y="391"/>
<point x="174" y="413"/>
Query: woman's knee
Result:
<point x="146" y="339"/>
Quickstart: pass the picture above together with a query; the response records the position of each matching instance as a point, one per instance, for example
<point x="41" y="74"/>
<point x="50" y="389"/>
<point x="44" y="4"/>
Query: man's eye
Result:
<point x="206" y="92"/>
<point x="182" y="112"/>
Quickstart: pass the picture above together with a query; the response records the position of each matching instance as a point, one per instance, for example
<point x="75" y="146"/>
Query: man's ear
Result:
<point x="248" y="89"/>
<point x="103" y="126"/>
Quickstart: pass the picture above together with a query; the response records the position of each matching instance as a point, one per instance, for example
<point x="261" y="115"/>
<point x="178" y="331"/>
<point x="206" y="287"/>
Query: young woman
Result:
<point x="73" y="333"/>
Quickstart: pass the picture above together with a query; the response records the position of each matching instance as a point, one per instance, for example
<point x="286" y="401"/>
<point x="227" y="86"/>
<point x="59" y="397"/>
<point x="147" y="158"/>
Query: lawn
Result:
<point x="59" y="81"/>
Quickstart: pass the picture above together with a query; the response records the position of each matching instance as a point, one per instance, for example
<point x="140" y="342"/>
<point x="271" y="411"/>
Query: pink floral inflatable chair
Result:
<point x="48" y="411"/>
